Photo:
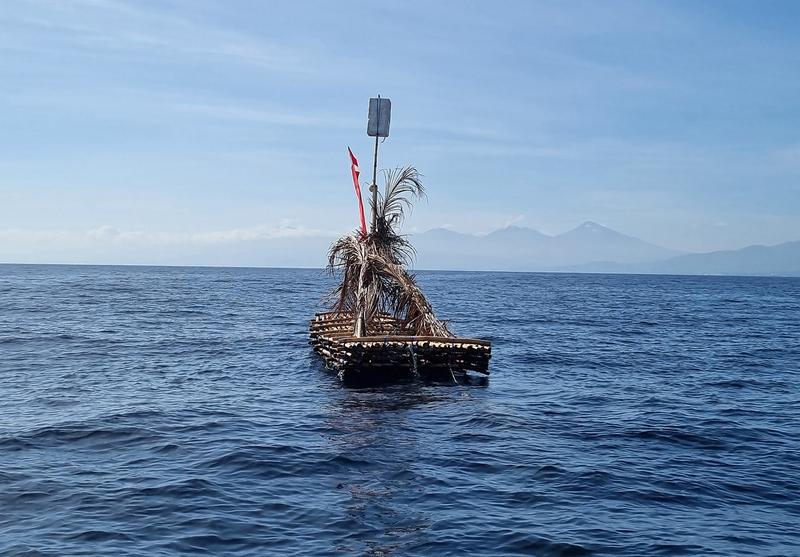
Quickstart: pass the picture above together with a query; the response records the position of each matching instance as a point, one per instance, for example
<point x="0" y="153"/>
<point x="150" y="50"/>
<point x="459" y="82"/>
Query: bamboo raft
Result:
<point x="383" y="328"/>
<point x="390" y="353"/>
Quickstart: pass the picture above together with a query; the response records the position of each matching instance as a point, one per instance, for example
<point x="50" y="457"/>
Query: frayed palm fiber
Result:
<point x="374" y="278"/>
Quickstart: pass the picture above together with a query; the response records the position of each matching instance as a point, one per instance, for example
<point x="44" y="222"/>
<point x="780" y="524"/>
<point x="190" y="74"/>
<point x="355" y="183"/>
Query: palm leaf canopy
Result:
<point x="374" y="279"/>
<point x="401" y="187"/>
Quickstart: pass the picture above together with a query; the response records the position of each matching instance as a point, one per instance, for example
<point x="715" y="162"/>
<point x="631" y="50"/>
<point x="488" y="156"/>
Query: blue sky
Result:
<point x="161" y="123"/>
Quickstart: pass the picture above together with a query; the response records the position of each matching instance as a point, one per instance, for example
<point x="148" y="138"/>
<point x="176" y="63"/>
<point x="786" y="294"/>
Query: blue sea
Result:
<point x="180" y="411"/>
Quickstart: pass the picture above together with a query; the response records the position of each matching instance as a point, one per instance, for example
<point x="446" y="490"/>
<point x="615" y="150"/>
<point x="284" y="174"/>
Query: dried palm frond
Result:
<point x="345" y="256"/>
<point x="409" y="303"/>
<point x="401" y="185"/>
<point x="373" y="278"/>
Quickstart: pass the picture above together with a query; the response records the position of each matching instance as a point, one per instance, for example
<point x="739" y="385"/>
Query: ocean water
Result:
<point x="177" y="411"/>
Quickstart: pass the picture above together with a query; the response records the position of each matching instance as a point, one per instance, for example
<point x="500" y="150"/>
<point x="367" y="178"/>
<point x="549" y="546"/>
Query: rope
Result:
<point x="450" y="368"/>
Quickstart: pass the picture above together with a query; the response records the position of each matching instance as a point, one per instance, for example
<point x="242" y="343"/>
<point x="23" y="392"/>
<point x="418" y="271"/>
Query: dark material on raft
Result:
<point x="390" y="353"/>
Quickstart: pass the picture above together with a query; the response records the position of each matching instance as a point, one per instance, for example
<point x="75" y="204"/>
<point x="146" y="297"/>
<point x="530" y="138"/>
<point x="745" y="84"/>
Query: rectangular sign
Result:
<point x="380" y="113"/>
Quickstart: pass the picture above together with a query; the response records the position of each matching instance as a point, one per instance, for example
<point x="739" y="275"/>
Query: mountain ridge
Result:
<point x="522" y="248"/>
<point x="591" y="247"/>
<point x="587" y="248"/>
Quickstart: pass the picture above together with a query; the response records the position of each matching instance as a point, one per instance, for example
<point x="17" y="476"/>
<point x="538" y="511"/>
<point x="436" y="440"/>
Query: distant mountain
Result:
<point x="518" y="235"/>
<point x="778" y="260"/>
<point x="518" y="248"/>
<point x="588" y="248"/>
<point x="782" y="259"/>
<point x="593" y="242"/>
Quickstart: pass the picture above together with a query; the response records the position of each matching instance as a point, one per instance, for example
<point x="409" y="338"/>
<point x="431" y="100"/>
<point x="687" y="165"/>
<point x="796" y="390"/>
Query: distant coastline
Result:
<point x="588" y="248"/>
<point x="587" y="270"/>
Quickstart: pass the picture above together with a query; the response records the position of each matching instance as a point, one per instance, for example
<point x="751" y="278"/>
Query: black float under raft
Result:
<point x="390" y="353"/>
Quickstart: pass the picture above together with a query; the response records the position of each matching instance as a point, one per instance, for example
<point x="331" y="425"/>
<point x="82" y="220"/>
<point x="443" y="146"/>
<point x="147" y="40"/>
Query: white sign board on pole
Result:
<point x="380" y="114"/>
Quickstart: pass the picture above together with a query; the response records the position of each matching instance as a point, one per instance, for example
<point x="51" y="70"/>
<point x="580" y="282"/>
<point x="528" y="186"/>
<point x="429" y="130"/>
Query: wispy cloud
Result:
<point x="122" y="27"/>
<point x="109" y="234"/>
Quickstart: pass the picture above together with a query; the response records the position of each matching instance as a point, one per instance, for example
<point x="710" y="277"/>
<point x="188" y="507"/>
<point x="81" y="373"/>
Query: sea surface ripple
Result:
<point x="176" y="411"/>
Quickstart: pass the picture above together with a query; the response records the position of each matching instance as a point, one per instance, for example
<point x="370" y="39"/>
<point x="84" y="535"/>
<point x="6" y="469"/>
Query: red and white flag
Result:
<point x="356" y="171"/>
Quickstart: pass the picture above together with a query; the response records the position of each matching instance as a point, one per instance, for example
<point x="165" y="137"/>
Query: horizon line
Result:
<point x="323" y="270"/>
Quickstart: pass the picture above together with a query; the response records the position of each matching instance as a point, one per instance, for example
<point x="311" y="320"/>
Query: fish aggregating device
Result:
<point x="381" y="327"/>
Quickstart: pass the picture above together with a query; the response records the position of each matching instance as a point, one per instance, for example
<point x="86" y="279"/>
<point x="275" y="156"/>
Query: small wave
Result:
<point x="99" y="536"/>
<point x="87" y="435"/>
<point x="646" y="496"/>
<point x="190" y="487"/>
<point x="523" y="543"/>
<point x="677" y="437"/>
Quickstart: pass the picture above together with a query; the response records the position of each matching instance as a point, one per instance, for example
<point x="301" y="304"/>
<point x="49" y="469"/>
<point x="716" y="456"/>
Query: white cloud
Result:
<point x="286" y="229"/>
<point x="104" y="233"/>
<point x="110" y="234"/>
<point x="124" y="26"/>
<point x="286" y="244"/>
<point x="516" y="219"/>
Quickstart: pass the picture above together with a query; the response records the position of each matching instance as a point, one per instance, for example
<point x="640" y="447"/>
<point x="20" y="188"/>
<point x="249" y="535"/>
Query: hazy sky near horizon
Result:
<point x="161" y="122"/>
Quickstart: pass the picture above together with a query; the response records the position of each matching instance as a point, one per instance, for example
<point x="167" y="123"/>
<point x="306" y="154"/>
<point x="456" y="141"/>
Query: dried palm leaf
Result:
<point x="373" y="278"/>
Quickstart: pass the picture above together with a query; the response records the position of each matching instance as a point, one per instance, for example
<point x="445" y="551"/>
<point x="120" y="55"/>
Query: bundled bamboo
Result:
<point x="391" y="352"/>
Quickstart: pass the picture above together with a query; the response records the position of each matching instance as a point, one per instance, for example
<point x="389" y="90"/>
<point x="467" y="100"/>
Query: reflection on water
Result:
<point x="372" y="426"/>
<point x="378" y="432"/>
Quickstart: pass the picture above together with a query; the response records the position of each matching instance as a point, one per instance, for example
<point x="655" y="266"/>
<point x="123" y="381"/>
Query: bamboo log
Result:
<point x="330" y="334"/>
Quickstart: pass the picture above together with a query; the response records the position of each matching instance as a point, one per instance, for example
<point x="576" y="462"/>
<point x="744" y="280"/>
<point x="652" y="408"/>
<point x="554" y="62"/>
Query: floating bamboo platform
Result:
<point x="390" y="353"/>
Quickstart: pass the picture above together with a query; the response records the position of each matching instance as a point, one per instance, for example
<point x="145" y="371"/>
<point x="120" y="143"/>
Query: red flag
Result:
<point x="356" y="171"/>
